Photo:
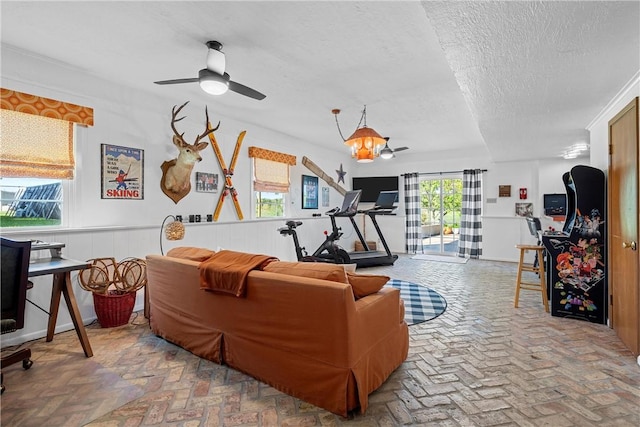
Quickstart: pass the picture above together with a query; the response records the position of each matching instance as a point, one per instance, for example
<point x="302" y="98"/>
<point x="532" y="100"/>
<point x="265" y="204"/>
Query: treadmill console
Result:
<point x="350" y="203"/>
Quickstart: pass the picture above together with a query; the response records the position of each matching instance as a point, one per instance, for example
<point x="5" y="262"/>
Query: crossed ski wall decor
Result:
<point x="228" y="173"/>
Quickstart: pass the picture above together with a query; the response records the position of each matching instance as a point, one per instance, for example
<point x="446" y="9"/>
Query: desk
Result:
<point x="61" y="269"/>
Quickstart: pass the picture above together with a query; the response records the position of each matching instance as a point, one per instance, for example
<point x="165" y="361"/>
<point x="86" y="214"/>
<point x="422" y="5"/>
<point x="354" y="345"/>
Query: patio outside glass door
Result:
<point x="440" y="213"/>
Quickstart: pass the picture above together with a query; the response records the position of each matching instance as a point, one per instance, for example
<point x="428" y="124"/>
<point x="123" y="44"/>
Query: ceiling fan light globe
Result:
<point x="386" y="153"/>
<point x="212" y="83"/>
<point x="214" y="87"/>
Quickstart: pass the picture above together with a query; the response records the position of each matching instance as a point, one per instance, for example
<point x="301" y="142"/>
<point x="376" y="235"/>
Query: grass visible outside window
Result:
<point x="30" y="202"/>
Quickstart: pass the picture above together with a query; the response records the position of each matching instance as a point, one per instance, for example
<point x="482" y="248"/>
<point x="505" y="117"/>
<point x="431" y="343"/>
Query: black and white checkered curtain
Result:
<point x="470" y="245"/>
<point x="413" y="232"/>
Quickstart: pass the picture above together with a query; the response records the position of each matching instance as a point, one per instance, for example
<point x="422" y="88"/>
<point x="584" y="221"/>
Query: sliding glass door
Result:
<point x="441" y="205"/>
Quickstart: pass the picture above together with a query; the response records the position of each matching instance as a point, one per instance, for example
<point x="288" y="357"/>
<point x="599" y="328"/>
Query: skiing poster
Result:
<point x="122" y="172"/>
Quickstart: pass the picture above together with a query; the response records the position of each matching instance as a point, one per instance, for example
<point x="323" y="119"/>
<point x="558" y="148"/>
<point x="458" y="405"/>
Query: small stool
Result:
<point x="539" y="269"/>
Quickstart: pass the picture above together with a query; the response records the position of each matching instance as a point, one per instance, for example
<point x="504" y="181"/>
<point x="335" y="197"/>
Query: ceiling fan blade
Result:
<point x="176" y="81"/>
<point x="246" y="91"/>
<point x="400" y="149"/>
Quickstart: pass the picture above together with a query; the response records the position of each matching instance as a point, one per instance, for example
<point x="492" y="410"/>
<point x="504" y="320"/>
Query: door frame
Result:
<point x="614" y="244"/>
<point x="441" y="178"/>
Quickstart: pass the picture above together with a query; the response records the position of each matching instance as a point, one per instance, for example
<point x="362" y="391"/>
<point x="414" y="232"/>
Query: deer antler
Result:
<point x="206" y="127"/>
<point x="174" y="113"/>
<point x="206" y="113"/>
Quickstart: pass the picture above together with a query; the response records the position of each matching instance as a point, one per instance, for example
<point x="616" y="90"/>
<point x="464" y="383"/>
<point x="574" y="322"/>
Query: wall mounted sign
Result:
<point x="122" y="172"/>
<point x="206" y="182"/>
<point x="523" y="194"/>
<point x="504" y="191"/>
<point x="325" y="197"/>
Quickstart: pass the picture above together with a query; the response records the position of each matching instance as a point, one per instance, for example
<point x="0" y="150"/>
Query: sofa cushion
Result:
<point x="315" y="270"/>
<point x="190" y="253"/>
<point x="366" y="284"/>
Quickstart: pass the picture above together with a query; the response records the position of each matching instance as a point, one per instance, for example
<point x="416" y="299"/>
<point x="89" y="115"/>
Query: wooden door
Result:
<point x="622" y="218"/>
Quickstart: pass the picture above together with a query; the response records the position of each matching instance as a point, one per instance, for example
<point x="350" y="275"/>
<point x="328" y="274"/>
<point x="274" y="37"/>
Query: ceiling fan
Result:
<point x="213" y="79"/>
<point x="388" y="153"/>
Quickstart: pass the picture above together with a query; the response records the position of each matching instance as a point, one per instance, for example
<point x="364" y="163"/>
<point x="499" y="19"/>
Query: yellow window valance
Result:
<point x="274" y="156"/>
<point x="45" y="107"/>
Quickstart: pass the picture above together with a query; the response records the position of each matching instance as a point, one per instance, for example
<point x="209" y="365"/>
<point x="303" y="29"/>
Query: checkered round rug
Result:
<point x="420" y="303"/>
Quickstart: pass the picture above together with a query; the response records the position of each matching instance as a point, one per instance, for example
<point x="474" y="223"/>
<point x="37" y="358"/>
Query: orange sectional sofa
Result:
<point x="303" y="335"/>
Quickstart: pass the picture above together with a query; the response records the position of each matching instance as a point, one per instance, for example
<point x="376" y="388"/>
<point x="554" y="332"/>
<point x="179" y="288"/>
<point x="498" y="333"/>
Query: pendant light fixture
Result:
<point x="366" y="144"/>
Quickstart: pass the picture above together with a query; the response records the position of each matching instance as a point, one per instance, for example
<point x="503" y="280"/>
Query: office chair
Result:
<point x="15" y="280"/>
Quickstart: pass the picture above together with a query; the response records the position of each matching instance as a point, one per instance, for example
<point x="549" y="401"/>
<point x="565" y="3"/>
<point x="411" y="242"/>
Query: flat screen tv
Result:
<point x="371" y="186"/>
<point x="555" y="204"/>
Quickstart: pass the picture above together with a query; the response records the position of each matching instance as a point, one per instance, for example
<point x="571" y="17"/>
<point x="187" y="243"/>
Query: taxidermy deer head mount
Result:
<point x="176" y="173"/>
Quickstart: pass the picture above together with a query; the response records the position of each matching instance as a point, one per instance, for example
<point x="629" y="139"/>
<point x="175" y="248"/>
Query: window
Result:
<point x="36" y="154"/>
<point x="270" y="181"/>
<point x="441" y="211"/>
<point x="270" y="205"/>
<point x="270" y="184"/>
<point x="30" y="202"/>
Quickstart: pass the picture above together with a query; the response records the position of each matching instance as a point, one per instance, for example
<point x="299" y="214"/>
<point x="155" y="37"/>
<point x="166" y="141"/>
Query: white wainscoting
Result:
<point x="256" y="236"/>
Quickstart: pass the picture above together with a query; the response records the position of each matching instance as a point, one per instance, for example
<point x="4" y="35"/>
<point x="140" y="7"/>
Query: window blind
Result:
<point x="271" y="170"/>
<point x="36" y="137"/>
<point x="35" y="147"/>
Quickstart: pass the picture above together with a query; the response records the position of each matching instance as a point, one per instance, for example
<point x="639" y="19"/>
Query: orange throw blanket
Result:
<point x="226" y="271"/>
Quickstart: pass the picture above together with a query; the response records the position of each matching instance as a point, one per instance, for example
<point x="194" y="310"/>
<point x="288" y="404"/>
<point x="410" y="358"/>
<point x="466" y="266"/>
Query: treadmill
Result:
<point x="384" y="206"/>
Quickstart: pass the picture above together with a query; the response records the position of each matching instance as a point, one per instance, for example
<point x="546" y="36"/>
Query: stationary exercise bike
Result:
<point x="328" y="251"/>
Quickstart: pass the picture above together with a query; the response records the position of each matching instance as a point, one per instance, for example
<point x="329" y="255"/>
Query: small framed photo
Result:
<point x="309" y="192"/>
<point x="206" y="182"/>
<point x="122" y="172"/>
<point x="524" y="209"/>
<point x="504" y="191"/>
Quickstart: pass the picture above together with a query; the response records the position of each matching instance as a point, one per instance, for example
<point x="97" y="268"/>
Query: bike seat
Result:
<point x="293" y="224"/>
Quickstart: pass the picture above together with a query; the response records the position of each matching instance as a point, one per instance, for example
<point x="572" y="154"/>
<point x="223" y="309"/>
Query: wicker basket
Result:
<point x="114" y="285"/>
<point x="114" y="309"/>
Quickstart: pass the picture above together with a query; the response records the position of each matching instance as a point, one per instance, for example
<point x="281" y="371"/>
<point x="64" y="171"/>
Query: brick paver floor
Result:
<point x="482" y="363"/>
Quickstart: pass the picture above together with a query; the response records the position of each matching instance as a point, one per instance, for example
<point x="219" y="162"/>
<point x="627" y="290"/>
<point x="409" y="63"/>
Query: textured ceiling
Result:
<point x="514" y="80"/>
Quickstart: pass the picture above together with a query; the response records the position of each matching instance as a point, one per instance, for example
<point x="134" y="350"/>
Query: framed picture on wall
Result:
<point x="524" y="209"/>
<point x="122" y="172"/>
<point x="325" y="197"/>
<point x="309" y="192"/>
<point x="504" y="191"/>
<point x="206" y="182"/>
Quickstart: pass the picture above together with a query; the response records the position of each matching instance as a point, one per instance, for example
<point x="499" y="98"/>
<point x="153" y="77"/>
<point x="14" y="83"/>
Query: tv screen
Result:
<point x="371" y="186"/>
<point x="555" y="204"/>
